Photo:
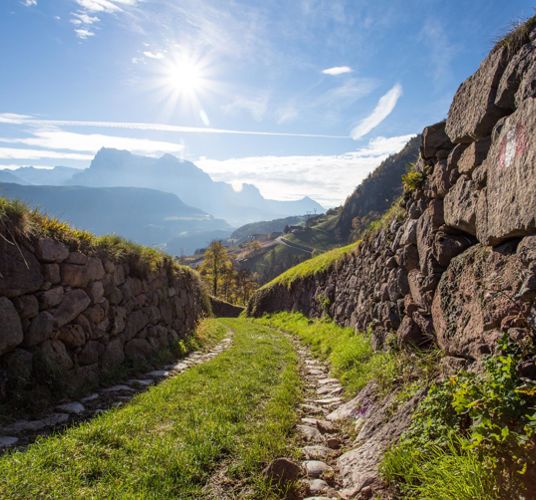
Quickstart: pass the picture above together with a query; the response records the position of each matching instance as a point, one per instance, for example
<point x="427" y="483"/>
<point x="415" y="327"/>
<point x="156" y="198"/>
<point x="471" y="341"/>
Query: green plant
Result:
<point x="412" y="181"/>
<point x="480" y="421"/>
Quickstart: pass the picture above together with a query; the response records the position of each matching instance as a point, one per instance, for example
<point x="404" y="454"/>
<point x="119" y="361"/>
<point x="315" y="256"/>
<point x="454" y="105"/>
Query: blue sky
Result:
<point x="331" y="86"/>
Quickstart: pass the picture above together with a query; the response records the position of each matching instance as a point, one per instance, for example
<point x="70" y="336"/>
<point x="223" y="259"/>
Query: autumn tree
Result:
<point x="216" y="263"/>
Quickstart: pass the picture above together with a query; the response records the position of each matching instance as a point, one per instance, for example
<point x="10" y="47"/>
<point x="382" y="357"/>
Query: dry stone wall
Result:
<point x="459" y="268"/>
<point x="69" y="320"/>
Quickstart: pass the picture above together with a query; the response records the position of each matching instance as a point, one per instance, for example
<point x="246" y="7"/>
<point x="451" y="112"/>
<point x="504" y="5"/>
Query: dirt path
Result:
<point x="323" y="438"/>
<point x="21" y="433"/>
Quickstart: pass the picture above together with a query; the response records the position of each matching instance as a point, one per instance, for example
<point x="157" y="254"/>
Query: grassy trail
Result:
<point x="226" y="418"/>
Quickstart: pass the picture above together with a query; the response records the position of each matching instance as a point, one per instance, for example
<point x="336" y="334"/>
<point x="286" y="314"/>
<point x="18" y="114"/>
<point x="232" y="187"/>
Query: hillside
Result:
<point x="338" y="226"/>
<point x="447" y="273"/>
<point x="376" y="193"/>
<point x="146" y="216"/>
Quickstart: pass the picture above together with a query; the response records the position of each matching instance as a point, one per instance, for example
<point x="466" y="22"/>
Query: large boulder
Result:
<point x="476" y="294"/>
<point x="20" y="272"/>
<point x="73" y="303"/>
<point x="473" y="112"/>
<point x="460" y="205"/>
<point x="11" y="329"/>
<point x="509" y="207"/>
<point x="49" y="250"/>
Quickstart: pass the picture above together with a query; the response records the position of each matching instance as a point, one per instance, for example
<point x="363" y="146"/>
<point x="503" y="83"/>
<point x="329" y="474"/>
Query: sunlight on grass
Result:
<point x="238" y="408"/>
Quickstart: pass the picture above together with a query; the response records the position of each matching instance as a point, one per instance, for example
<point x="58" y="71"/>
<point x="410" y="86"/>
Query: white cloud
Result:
<point x="84" y="18"/>
<point x="18" y="119"/>
<point x="153" y="55"/>
<point x="79" y="18"/>
<point x="108" y="6"/>
<point x="60" y="139"/>
<point x="337" y="70"/>
<point x="37" y="154"/>
<point x="329" y="179"/>
<point x="84" y="33"/>
<point x="383" y="109"/>
<point x="286" y="113"/>
<point x="29" y="3"/>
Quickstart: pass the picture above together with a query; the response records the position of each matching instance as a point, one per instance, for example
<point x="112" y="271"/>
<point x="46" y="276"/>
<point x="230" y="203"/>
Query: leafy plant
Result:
<point x="412" y="181"/>
<point x="484" y="419"/>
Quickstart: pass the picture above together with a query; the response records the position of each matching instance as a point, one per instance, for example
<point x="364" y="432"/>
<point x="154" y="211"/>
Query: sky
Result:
<point x="299" y="97"/>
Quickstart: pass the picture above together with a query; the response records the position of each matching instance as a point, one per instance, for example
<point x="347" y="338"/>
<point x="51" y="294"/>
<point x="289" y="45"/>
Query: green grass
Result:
<point x="311" y="266"/>
<point x="234" y="412"/>
<point x="439" y="473"/>
<point x="353" y="360"/>
<point x="349" y="354"/>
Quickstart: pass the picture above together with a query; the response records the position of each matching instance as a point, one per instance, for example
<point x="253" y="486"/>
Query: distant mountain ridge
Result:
<point x="146" y="216"/>
<point x="112" y="167"/>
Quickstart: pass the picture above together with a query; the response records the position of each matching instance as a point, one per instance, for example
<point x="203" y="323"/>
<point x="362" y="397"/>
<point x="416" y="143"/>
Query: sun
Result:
<point x="183" y="81"/>
<point x="185" y="76"/>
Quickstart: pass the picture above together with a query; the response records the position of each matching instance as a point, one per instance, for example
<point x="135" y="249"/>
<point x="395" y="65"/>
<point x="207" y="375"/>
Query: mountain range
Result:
<point x="165" y="202"/>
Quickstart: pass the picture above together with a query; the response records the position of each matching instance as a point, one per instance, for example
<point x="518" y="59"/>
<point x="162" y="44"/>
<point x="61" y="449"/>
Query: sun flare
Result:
<point x="185" y="76"/>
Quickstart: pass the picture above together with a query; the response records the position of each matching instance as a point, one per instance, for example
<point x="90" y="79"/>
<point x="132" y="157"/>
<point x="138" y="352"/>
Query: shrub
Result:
<point x="474" y="423"/>
<point x="412" y="181"/>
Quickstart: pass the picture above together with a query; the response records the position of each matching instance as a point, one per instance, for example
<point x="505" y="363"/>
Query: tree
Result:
<point x="215" y="264"/>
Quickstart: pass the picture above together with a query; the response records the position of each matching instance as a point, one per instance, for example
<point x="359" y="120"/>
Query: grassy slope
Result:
<point x="237" y="409"/>
<point x="311" y="266"/>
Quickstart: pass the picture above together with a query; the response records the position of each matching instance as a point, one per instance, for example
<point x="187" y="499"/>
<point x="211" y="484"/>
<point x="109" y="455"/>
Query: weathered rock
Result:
<point x="90" y="353"/>
<point x="282" y="470"/>
<point x="138" y="350"/>
<point x="20" y="272"/>
<point x="434" y="138"/>
<point x="510" y="201"/>
<point x="77" y="258"/>
<point x="54" y="356"/>
<point x="473" y="113"/>
<point x="41" y="329"/>
<point x="460" y="206"/>
<point x="51" y="273"/>
<point x="316" y="468"/>
<point x="475" y="293"/>
<point x="49" y="250"/>
<point x="409" y="334"/>
<point x="19" y="369"/>
<point x="73" y="408"/>
<point x="11" y="329"/>
<point x="27" y="306"/>
<point x="113" y="356"/>
<point x="51" y="298"/>
<point x="473" y="155"/>
<point x="96" y="292"/>
<point x="73" y="303"/>
<point x="72" y="335"/>
<point x="447" y="245"/>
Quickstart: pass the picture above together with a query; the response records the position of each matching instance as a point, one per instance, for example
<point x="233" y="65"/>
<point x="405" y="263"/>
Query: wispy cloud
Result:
<point x="108" y="6"/>
<point x="60" y="139"/>
<point x="84" y="33"/>
<point x="383" y="109"/>
<point x="326" y="178"/>
<point x="38" y="154"/>
<point x="84" y="18"/>
<point x="18" y="119"/>
<point x="337" y="70"/>
<point x="29" y="3"/>
<point x="79" y="18"/>
<point x="153" y="55"/>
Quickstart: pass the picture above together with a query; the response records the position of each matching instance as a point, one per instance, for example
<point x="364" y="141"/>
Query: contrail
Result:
<point x="15" y="119"/>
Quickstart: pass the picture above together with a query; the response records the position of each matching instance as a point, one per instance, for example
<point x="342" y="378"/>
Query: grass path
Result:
<point x="238" y="409"/>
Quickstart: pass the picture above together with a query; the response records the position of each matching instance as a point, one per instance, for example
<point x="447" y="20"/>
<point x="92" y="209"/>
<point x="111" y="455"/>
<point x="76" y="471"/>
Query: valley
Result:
<point x="166" y="334"/>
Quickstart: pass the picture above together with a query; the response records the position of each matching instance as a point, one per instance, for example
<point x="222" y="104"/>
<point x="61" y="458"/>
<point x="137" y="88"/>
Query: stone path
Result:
<point x="323" y="439"/>
<point x="23" y="432"/>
